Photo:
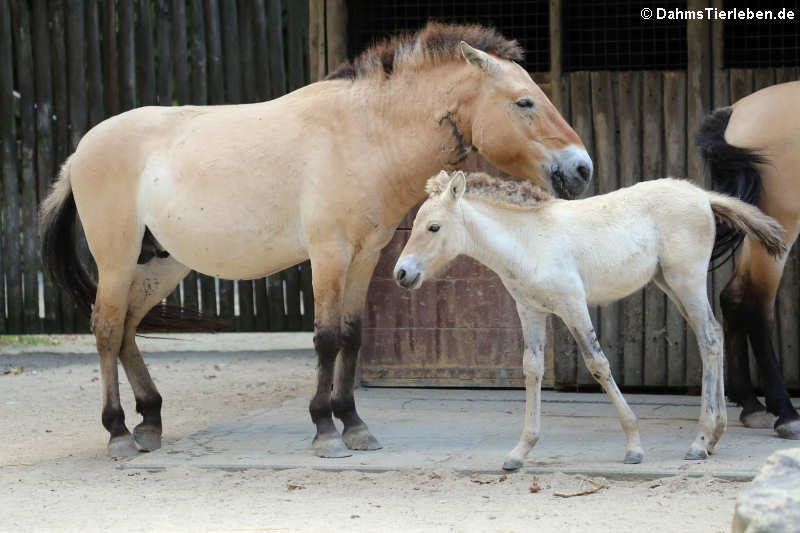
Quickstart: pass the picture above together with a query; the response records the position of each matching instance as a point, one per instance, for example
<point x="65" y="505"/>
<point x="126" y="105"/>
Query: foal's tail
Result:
<point x="62" y="263"/>
<point x="744" y="218"/>
<point x="733" y="172"/>
<point x="60" y="259"/>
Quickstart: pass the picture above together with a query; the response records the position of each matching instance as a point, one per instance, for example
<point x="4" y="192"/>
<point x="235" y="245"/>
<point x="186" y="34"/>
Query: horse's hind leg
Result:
<point x="756" y="311"/>
<point x="152" y="282"/>
<point x="688" y="291"/>
<point x="580" y="325"/>
<point x="356" y="434"/>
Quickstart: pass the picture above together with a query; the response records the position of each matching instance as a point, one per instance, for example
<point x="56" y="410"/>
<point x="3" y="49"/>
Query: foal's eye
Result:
<point x="433" y="228"/>
<point x="525" y="103"/>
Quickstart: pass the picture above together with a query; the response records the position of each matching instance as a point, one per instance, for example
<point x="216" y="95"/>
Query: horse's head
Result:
<point x="519" y="130"/>
<point x="438" y="234"/>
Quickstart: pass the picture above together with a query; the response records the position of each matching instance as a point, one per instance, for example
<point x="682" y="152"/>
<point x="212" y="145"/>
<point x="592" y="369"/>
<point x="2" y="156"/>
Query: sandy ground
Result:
<point x="54" y="475"/>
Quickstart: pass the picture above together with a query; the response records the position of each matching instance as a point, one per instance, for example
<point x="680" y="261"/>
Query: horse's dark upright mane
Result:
<point x="434" y="41"/>
<point x="733" y="171"/>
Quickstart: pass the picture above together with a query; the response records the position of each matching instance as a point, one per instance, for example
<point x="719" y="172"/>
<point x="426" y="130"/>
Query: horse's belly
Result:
<point x="232" y="230"/>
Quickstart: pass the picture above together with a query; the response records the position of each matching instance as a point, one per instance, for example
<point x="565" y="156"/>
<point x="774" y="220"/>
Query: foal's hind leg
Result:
<point x="688" y="291"/>
<point x="580" y="325"/>
<point x="152" y="282"/>
<point x="356" y="435"/>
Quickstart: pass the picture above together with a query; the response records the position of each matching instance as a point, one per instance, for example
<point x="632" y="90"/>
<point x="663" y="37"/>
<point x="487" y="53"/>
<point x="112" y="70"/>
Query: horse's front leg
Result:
<point x="534" y="331"/>
<point x="580" y="325"/>
<point x="329" y="265"/>
<point x="356" y="435"/>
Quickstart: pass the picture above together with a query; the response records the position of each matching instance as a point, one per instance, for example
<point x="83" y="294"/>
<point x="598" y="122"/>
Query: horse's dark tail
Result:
<point x="62" y="263"/>
<point x="733" y="172"/>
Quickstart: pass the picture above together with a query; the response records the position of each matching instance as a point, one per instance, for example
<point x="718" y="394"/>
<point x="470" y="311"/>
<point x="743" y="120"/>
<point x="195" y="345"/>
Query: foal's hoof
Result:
<point x="359" y="438"/>
<point x="123" y="446"/>
<point x="512" y="464"/>
<point x="148" y="439"/>
<point x="633" y="457"/>
<point x="330" y="446"/>
<point x="757" y="419"/>
<point x="789" y="430"/>
<point x="696" y="453"/>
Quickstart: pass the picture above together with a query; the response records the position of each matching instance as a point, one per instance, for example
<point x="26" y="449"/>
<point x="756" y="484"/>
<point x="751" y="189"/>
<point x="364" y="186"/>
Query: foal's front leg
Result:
<point x="580" y="326"/>
<point x="534" y="330"/>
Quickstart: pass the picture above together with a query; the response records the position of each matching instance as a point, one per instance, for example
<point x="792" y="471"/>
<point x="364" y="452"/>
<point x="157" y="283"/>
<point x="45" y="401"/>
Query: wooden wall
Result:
<point x="66" y="65"/>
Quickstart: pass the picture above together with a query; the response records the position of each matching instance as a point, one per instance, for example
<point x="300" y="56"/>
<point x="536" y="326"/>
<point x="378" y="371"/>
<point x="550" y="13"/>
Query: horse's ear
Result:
<point x="478" y="58"/>
<point x="457" y="185"/>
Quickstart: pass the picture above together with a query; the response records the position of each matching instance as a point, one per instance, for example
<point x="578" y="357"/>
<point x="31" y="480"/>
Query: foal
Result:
<point x="554" y="256"/>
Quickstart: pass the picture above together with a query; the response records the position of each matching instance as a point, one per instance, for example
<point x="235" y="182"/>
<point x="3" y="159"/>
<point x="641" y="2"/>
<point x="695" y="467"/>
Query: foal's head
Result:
<point x="438" y="235"/>
<point x="519" y="130"/>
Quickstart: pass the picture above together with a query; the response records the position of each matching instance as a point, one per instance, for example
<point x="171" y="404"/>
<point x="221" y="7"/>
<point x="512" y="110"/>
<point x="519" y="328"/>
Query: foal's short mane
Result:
<point x="507" y="193"/>
<point x="434" y="43"/>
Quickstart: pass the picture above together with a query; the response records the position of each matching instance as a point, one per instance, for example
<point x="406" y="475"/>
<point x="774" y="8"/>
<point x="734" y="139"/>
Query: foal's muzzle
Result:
<point x="407" y="273"/>
<point x="570" y="171"/>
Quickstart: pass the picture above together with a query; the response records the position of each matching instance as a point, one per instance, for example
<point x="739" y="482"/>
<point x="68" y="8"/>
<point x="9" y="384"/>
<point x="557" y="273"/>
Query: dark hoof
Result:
<point x="633" y="458"/>
<point x="696" y="453"/>
<point x="123" y="446"/>
<point x="148" y="439"/>
<point x="789" y="430"/>
<point x="359" y="438"/>
<point x="757" y="420"/>
<point x="330" y="446"/>
<point x="512" y="464"/>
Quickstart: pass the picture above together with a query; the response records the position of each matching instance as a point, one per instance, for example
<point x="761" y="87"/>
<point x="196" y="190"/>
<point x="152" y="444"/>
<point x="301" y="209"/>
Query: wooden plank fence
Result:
<point x="65" y="65"/>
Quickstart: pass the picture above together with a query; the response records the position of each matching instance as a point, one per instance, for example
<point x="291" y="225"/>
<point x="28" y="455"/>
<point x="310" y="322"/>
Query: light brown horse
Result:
<point x="243" y="191"/>
<point x="753" y="151"/>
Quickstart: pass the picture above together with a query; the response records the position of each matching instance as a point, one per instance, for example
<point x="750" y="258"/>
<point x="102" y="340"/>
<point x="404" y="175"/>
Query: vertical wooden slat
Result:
<point x="145" y="59"/>
<point x="261" y="50"/>
<point x="291" y="277"/>
<point x="296" y="43"/>
<point x="180" y="61"/>
<point x="698" y="105"/>
<point x="556" y="18"/>
<point x="317" y="56"/>
<point x="127" y="56"/>
<point x="675" y="151"/>
<point x="629" y="119"/>
<point x="94" y="66"/>
<point x="335" y="32"/>
<point x="607" y="174"/>
<point x="110" y="70"/>
<point x="261" y="304"/>
<point x="45" y="163"/>
<point x="655" y="349"/>
<point x="199" y="57"/>
<point x="28" y="201"/>
<point x="763" y="77"/>
<point x="277" y="70"/>
<point x="164" y="39"/>
<point x="216" y="88"/>
<point x="277" y="315"/>
<point x="230" y="46"/>
<point x="308" y="296"/>
<point x="61" y="110"/>
<point x="11" y="227"/>
<point x="246" y="45"/>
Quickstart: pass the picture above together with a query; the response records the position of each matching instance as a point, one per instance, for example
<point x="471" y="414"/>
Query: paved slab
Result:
<point x="472" y="430"/>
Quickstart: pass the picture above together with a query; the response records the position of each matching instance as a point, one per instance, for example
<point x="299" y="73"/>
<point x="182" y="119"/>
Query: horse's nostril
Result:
<point x="401" y="275"/>
<point x="584" y="171"/>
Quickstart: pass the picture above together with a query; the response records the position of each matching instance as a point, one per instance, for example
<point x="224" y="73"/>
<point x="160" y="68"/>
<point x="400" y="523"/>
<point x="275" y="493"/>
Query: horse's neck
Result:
<point x="428" y="118"/>
<point x="494" y="236"/>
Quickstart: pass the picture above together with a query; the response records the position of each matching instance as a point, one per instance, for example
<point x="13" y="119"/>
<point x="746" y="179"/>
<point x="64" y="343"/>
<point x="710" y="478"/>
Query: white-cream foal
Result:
<point x="554" y="256"/>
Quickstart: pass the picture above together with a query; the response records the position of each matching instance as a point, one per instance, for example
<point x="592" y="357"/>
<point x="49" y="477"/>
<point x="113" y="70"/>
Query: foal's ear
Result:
<point x="457" y="185"/>
<point x="478" y="58"/>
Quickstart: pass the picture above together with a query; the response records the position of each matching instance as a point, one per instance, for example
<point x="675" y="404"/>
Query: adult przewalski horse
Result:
<point x="325" y="172"/>
<point x="752" y="150"/>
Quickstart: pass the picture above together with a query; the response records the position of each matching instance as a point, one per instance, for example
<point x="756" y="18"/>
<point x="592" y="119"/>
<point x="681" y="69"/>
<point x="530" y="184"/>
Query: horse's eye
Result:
<point x="433" y="228"/>
<point x="525" y="103"/>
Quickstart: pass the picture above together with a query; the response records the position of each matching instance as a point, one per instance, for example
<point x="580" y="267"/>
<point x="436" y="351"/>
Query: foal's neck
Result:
<point x="496" y="236"/>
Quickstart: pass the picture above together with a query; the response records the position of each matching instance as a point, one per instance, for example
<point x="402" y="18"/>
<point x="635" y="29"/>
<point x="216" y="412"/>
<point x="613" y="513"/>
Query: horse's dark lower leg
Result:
<point x="327" y="442"/>
<point x="356" y="435"/>
<point x="779" y="403"/>
<point x="148" y="401"/>
<point x="738" y="385"/>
